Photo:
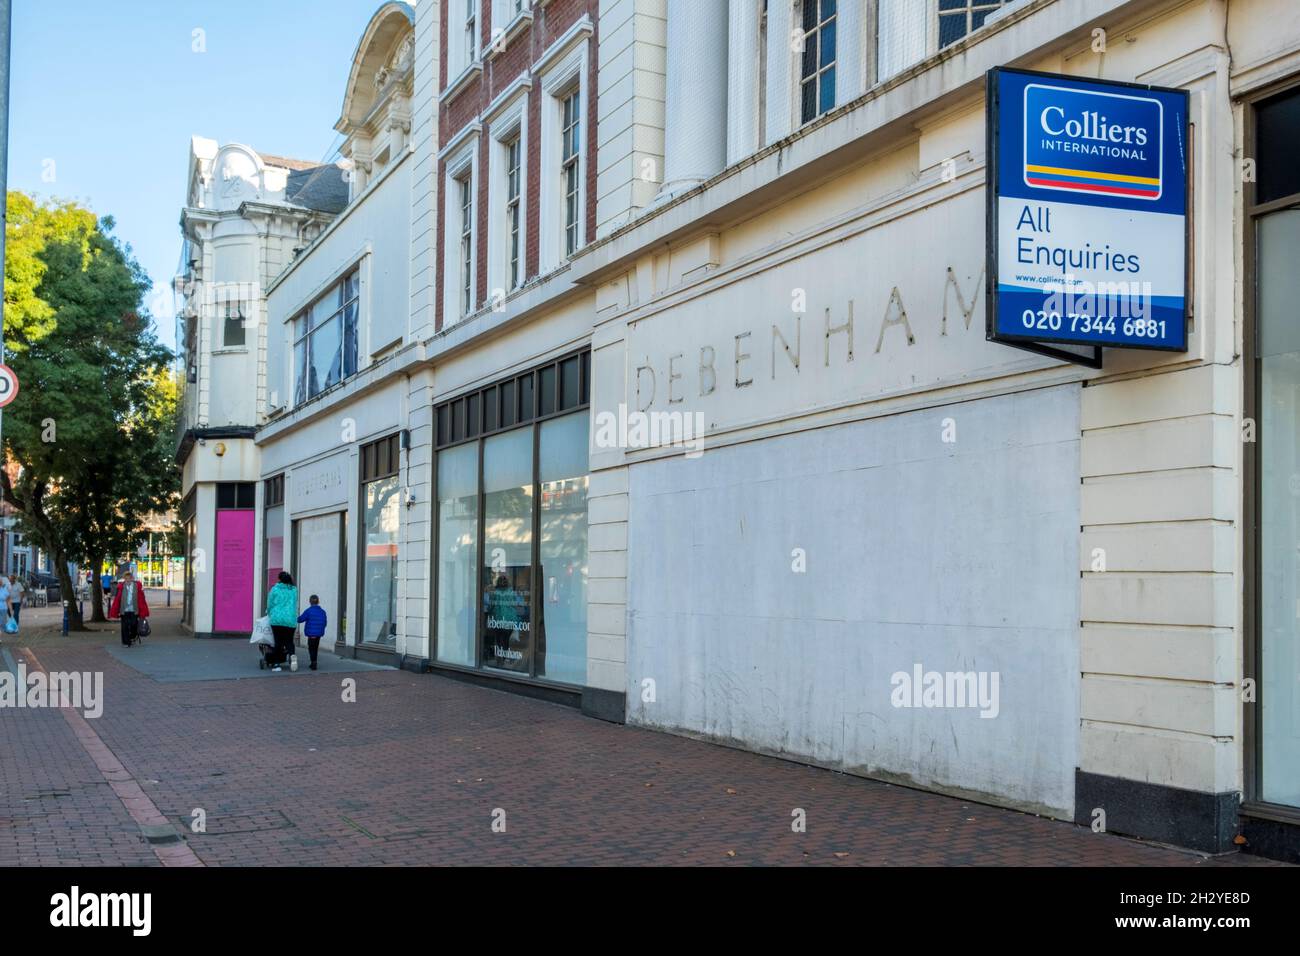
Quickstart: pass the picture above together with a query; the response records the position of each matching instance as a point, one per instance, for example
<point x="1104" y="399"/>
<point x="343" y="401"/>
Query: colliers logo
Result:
<point x="1104" y="144"/>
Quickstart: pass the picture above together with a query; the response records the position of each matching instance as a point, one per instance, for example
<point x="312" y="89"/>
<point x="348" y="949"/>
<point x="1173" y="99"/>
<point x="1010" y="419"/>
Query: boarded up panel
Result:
<point x="955" y="556"/>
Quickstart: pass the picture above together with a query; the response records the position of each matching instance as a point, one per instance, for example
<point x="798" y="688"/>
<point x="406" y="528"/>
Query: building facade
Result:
<point x="673" y="401"/>
<point x="244" y="217"/>
<point x="339" y="500"/>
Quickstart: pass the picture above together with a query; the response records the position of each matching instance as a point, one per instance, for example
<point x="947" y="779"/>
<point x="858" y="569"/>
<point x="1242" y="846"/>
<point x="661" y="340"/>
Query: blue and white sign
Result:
<point x="1087" y="212"/>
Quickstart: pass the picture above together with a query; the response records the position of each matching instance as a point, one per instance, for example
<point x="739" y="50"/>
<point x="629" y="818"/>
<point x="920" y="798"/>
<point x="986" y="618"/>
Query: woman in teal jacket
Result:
<point x="282" y="609"/>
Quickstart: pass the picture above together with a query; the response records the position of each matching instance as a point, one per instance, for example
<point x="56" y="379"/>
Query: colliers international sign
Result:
<point x="1087" y="214"/>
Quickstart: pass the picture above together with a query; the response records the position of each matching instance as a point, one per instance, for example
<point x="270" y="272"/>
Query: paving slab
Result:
<point x="216" y="659"/>
<point x="357" y="765"/>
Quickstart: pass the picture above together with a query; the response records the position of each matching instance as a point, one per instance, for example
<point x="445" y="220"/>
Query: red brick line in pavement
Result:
<point x="134" y="799"/>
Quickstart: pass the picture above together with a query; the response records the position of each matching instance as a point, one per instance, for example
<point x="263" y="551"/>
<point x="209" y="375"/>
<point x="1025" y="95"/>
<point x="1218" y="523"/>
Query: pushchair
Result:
<point x="268" y="656"/>
<point x="264" y="638"/>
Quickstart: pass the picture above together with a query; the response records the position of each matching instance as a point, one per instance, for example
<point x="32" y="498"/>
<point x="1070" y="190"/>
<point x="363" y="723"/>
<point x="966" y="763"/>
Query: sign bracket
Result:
<point x="1087" y="361"/>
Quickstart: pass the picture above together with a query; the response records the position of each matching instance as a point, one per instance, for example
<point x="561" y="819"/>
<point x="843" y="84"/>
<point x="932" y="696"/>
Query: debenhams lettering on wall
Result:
<point x="886" y="304"/>
<point x="860" y="347"/>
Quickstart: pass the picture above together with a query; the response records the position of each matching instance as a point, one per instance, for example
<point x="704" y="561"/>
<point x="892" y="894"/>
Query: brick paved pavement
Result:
<point x="287" y="773"/>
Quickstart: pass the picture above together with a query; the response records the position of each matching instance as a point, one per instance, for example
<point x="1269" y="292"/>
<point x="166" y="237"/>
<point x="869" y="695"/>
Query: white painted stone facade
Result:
<point x="242" y="219"/>
<point x="816" y="295"/>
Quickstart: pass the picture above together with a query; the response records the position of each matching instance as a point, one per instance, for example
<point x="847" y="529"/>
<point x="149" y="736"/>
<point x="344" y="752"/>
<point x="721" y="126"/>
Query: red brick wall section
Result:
<point x="562" y="14"/>
<point x="481" y="220"/>
<point x="532" y="257"/>
<point x="442" y="48"/>
<point x="549" y="24"/>
<point x="507" y="65"/>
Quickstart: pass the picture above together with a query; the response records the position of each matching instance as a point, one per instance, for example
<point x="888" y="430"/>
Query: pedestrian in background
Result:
<point x="129" y="604"/>
<point x="16" y="590"/>
<point x="282" y="609"/>
<point x="313" y="621"/>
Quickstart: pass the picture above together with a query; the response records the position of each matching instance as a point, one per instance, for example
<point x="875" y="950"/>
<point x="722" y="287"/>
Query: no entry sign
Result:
<point x="8" y="385"/>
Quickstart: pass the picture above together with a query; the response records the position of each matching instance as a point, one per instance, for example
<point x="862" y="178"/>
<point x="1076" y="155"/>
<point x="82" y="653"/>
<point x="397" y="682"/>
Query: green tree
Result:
<point x="131" y="480"/>
<point x="85" y="438"/>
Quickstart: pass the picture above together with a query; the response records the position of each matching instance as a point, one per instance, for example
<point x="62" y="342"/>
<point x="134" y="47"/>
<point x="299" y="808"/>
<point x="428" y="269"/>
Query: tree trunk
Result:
<point x="97" y="595"/>
<point x="69" y="595"/>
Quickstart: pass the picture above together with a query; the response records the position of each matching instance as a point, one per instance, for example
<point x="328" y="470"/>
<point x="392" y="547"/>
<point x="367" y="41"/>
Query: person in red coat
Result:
<point x="130" y="605"/>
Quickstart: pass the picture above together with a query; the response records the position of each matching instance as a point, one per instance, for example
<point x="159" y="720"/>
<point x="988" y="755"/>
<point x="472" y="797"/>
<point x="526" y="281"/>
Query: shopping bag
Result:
<point x="262" y="633"/>
<point x="143" y="627"/>
<point x="11" y="625"/>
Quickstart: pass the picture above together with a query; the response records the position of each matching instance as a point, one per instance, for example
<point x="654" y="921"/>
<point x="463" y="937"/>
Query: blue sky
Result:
<point x="111" y="92"/>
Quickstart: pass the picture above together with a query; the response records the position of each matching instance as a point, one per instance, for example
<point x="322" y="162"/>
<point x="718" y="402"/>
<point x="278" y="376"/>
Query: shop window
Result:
<point x="530" y="614"/>
<point x="457" y="553"/>
<point x="507" y="551"/>
<point x="1276" y="233"/>
<point x="562" y="550"/>
<point x="380" y="503"/>
<point x="511" y="579"/>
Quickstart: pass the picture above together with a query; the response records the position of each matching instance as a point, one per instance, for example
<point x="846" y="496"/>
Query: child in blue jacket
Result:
<point x="313" y="620"/>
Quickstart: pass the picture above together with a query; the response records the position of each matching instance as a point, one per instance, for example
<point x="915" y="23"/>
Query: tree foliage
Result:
<point x="88" y="439"/>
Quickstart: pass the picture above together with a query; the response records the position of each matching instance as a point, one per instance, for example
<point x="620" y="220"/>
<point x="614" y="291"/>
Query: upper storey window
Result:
<point x="462" y="36"/>
<point x="817" y="64"/>
<point x="325" y="339"/>
<point x="960" y="17"/>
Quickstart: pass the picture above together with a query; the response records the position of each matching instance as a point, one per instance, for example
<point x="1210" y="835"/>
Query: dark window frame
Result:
<point x="273" y="497"/>
<point x="1252" y="804"/>
<point x="822" y="23"/>
<point x="240" y="491"/>
<point x="514" y="211"/>
<point x="968" y="11"/>
<point x="377" y="460"/>
<point x="571" y="167"/>
<point x="447" y="434"/>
